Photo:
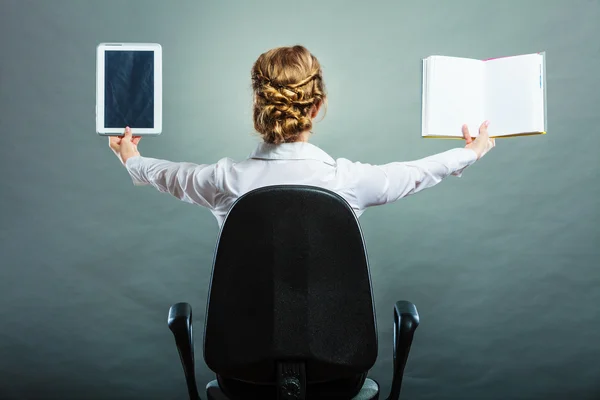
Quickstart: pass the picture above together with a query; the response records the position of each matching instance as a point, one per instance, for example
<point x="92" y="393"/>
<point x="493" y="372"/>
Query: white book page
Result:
<point x="453" y="97"/>
<point x="514" y="95"/>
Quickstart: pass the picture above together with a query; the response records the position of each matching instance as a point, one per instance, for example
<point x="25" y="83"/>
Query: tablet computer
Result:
<point x="129" y="88"/>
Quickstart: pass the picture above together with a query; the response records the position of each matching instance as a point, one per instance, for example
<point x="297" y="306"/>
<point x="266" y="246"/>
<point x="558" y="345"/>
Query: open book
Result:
<point x="510" y="92"/>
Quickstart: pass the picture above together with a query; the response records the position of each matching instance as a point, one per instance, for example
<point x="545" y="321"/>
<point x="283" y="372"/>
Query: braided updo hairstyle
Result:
<point x="288" y="86"/>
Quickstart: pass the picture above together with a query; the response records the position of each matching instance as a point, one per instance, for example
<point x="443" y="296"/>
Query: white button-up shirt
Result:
<point x="217" y="186"/>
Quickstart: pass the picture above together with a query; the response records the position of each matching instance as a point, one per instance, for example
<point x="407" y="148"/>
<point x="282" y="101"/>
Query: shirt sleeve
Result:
<point x="192" y="183"/>
<point x="381" y="184"/>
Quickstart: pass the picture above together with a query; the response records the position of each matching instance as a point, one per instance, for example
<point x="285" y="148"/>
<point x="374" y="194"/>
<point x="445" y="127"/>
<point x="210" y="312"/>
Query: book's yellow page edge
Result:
<point x="492" y="137"/>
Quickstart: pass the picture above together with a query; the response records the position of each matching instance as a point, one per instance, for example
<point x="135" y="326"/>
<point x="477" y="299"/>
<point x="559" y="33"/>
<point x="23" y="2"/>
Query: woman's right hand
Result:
<point x="482" y="143"/>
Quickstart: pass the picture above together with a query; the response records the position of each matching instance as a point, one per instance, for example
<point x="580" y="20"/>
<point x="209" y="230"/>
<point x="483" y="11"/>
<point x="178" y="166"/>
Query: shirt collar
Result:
<point x="291" y="151"/>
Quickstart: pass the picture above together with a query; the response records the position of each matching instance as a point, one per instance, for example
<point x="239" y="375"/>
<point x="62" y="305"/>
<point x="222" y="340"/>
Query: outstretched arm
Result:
<point x="381" y="184"/>
<point x="192" y="183"/>
<point x="189" y="182"/>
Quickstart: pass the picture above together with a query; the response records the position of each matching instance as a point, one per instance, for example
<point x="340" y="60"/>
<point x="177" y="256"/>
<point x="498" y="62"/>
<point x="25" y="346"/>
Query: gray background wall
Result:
<point x="502" y="264"/>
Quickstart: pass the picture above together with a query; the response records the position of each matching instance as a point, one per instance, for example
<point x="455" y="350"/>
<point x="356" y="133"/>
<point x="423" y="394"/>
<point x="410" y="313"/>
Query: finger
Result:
<point x="483" y="129"/>
<point x="127" y="133"/>
<point x="136" y="139"/>
<point x="114" y="141"/>
<point x="466" y="134"/>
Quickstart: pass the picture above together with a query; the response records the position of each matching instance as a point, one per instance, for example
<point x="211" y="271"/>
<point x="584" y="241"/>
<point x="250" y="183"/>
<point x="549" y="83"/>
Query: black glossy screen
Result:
<point x="129" y="89"/>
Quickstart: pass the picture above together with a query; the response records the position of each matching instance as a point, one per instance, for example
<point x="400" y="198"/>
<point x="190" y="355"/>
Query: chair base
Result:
<point x="369" y="391"/>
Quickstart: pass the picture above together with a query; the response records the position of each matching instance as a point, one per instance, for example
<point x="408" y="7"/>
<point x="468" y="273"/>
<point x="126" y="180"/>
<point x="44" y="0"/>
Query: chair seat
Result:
<point x="369" y="391"/>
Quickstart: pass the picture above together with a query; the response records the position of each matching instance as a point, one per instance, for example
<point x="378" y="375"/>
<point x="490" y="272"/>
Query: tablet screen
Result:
<point x="129" y="89"/>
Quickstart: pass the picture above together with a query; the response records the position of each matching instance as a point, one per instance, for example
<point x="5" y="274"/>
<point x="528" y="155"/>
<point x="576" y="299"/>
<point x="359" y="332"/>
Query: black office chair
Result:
<point x="290" y="313"/>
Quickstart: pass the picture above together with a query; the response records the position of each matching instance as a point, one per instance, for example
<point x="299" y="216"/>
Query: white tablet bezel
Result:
<point x="100" y="58"/>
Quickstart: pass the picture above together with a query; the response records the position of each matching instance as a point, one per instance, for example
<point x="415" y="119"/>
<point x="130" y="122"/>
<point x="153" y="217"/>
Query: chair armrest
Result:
<point x="406" y="321"/>
<point x="180" y="323"/>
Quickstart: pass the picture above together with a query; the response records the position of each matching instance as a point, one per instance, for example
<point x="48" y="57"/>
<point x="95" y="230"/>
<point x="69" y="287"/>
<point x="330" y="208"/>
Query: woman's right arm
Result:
<point x="381" y="184"/>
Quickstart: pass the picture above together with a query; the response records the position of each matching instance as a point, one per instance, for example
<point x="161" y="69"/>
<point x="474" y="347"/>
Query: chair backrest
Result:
<point x="290" y="282"/>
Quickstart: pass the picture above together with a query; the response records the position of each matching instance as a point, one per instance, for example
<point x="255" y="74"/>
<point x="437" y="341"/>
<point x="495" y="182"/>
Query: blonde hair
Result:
<point x="287" y="84"/>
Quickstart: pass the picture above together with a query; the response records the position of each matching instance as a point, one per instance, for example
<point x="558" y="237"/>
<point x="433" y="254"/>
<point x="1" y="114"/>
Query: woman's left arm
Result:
<point x="192" y="183"/>
<point x="189" y="182"/>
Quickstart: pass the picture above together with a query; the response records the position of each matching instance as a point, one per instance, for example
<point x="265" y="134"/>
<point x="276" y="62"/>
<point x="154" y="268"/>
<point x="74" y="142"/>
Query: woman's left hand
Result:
<point x="124" y="146"/>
